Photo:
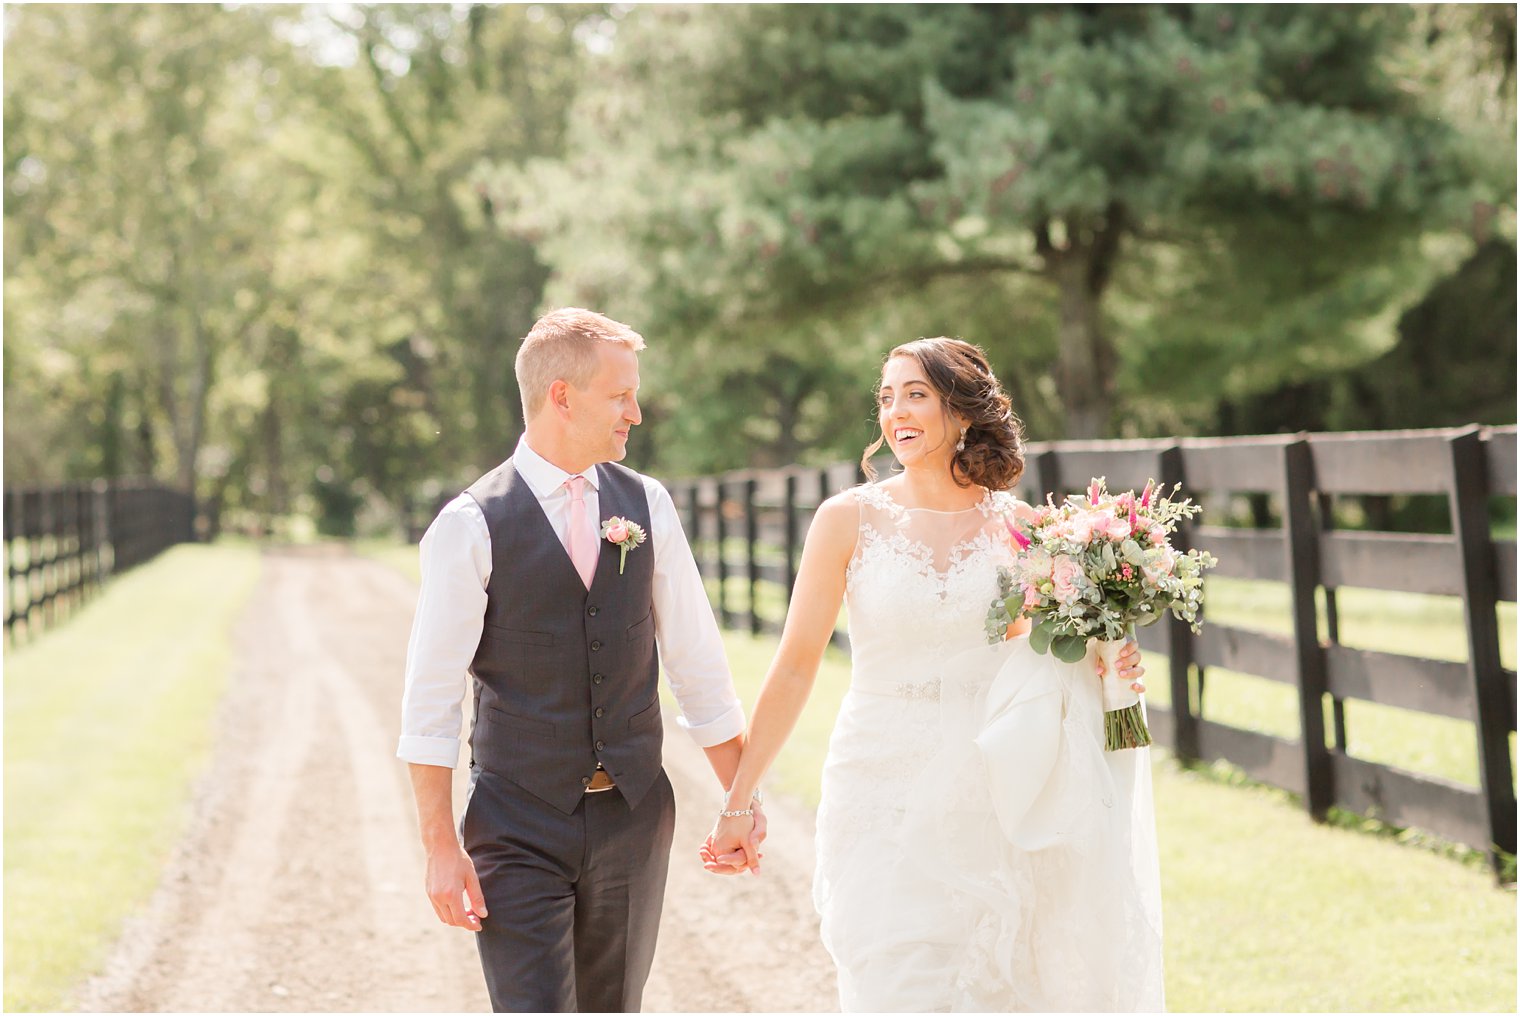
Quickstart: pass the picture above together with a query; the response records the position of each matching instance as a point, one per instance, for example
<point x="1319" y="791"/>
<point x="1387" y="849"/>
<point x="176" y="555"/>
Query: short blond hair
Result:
<point x="563" y="346"/>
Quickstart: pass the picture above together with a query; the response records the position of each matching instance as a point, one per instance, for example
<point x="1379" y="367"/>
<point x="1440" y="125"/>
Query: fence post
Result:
<point x="1469" y="520"/>
<point x="95" y="492"/>
<point x="699" y="545"/>
<point x="691" y="496"/>
<point x="1302" y="539"/>
<point x="723" y="614"/>
<point x="751" y="561"/>
<point x="49" y="573"/>
<point x="790" y="507"/>
<point x="1180" y="638"/>
<point x="1326" y="506"/>
<point x="1047" y="472"/>
<point x="77" y="535"/>
<point x="14" y="537"/>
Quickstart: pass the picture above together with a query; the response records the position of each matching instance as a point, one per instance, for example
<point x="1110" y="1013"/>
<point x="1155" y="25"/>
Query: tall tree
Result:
<point x="429" y="94"/>
<point x="136" y="227"/>
<point x="1202" y="199"/>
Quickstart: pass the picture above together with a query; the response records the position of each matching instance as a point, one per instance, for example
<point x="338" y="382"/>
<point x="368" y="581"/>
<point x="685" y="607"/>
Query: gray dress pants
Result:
<point x="573" y="900"/>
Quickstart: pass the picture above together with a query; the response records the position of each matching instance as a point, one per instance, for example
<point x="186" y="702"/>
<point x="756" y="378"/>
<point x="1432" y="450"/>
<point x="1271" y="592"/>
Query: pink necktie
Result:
<point x="583" y="546"/>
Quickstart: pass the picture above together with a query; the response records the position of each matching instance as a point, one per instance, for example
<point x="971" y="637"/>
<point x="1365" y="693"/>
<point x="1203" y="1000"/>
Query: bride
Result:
<point x="977" y="849"/>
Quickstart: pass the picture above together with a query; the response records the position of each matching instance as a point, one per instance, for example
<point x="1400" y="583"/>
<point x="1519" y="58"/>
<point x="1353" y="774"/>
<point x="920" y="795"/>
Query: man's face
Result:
<point x="605" y="410"/>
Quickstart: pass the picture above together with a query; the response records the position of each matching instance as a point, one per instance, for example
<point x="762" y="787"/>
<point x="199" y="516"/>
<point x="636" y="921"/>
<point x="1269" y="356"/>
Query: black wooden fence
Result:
<point x="62" y="543"/>
<point x="763" y="516"/>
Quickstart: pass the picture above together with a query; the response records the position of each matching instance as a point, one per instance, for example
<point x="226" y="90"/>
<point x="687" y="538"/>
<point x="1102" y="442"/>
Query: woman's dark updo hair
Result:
<point x="959" y="373"/>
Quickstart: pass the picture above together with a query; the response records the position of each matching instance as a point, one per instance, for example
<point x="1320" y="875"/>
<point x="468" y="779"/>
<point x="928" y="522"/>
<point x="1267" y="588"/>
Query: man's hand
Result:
<point x="734" y="845"/>
<point x="453" y="888"/>
<point x="1129" y="666"/>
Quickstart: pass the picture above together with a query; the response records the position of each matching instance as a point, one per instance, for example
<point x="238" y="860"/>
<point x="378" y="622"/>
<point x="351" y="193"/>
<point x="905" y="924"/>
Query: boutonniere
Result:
<point x="624" y="535"/>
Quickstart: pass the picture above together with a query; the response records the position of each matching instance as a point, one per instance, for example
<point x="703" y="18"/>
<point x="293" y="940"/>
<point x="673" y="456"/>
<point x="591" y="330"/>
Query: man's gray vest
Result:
<point x="565" y="677"/>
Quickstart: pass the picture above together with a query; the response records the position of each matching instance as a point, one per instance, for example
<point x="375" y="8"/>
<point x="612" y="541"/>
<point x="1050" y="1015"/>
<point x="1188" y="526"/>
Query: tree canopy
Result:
<point x="282" y="256"/>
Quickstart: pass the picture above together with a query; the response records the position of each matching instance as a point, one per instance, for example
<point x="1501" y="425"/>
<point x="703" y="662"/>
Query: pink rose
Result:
<point x="617" y="532"/>
<point x="1110" y="526"/>
<point x="1162" y="566"/>
<point x="1031" y="597"/>
<point x="1066" y="575"/>
<point x="1082" y="526"/>
<point x="1158" y="534"/>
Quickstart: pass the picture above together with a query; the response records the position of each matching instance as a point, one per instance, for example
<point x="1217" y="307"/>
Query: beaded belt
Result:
<point x="906" y="690"/>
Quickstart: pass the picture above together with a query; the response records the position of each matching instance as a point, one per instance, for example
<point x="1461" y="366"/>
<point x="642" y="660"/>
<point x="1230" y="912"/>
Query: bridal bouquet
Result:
<point x="1098" y="567"/>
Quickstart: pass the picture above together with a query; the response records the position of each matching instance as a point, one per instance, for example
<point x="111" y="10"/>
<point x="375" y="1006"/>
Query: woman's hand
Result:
<point x="1129" y="666"/>
<point x="734" y="844"/>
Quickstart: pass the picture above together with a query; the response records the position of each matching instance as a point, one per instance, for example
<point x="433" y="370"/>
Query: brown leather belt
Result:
<point x="599" y="781"/>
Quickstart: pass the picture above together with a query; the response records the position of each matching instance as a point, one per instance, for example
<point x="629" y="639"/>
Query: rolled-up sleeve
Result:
<point x="691" y="648"/>
<point x="456" y="566"/>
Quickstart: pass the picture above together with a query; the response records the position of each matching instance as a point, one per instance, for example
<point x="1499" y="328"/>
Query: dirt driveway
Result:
<point x="297" y="886"/>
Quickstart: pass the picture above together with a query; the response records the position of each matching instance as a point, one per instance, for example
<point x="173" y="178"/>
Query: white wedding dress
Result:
<point x="977" y="848"/>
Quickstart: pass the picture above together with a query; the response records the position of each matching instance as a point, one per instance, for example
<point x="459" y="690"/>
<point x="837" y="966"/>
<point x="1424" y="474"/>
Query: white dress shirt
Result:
<point x="456" y="566"/>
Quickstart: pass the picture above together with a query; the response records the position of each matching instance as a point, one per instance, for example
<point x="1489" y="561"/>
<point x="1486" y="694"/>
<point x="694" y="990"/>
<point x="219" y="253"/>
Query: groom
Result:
<point x="567" y="827"/>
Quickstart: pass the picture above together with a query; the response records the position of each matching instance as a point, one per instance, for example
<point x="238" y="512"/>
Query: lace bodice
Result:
<point x="919" y="585"/>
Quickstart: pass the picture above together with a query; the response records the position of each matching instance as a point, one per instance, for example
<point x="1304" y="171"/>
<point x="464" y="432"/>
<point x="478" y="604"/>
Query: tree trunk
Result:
<point x="1081" y="268"/>
<point x="1081" y="381"/>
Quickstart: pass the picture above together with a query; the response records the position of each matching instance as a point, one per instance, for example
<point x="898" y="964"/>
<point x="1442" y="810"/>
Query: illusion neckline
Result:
<point x="980" y="505"/>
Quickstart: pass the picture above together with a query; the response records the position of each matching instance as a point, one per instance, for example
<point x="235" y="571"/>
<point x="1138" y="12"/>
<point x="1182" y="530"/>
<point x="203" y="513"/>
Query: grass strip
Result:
<point x="108" y="720"/>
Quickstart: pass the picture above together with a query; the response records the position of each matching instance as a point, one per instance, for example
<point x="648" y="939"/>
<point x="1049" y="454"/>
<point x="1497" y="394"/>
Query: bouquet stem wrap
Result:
<point x="1123" y="715"/>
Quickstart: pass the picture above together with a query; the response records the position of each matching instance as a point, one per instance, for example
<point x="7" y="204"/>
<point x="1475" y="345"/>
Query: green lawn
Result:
<point x="107" y="724"/>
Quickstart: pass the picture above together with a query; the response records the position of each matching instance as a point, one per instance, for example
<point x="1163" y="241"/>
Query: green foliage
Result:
<point x="265" y="251"/>
<point x="246" y="252"/>
<point x="1200" y="201"/>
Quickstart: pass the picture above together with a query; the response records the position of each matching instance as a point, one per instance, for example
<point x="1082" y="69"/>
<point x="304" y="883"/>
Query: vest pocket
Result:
<point x="519" y="636"/>
<point x="646" y="717"/>
<point x="642" y="630"/>
<point x="496" y="716"/>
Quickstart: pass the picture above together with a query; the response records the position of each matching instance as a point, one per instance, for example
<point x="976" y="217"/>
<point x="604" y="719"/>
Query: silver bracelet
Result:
<point x="736" y="814"/>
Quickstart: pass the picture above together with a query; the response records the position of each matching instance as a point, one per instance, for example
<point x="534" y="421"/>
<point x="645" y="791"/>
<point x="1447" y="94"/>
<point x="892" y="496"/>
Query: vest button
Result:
<point x="601" y="746"/>
<point x="596" y="645"/>
<point x="593" y="611"/>
<point x="596" y="678"/>
<point x="585" y="781"/>
<point x="600" y="712"/>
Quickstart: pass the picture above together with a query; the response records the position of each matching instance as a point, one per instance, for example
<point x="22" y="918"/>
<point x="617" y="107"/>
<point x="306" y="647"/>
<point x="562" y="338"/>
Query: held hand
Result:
<point x="733" y="845"/>
<point x="454" y="890"/>
<point x="1129" y="666"/>
<point x="733" y="862"/>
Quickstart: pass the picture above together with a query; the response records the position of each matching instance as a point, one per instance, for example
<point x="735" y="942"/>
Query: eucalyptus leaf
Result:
<point x="1069" y="648"/>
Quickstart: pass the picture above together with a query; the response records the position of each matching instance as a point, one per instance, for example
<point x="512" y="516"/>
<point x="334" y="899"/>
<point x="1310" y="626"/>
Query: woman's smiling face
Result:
<point x="912" y="415"/>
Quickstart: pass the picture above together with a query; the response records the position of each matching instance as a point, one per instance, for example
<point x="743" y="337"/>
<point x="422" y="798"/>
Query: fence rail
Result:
<point x="763" y="516"/>
<point x="62" y="543"/>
